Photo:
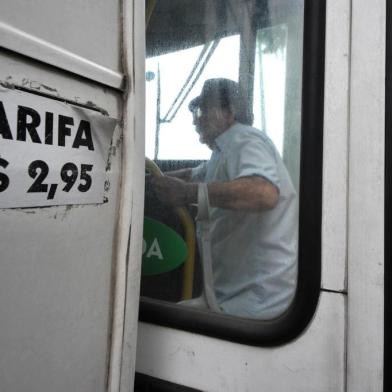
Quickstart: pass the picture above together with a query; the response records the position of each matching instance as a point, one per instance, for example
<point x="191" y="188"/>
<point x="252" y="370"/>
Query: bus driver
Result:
<point x="247" y="208"/>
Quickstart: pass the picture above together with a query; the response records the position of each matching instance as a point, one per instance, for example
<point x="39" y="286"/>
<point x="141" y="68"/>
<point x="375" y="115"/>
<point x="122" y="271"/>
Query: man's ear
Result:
<point x="231" y="113"/>
<point x="224" y="116"/>
<point x="220" y="114"/>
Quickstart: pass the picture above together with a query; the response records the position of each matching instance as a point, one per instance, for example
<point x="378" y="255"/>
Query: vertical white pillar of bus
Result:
<point x="131" y="209"/>
<point x="365" y="332"/>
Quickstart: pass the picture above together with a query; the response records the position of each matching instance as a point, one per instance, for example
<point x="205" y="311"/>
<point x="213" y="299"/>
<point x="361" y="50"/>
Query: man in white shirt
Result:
<point x="247" y="206"/>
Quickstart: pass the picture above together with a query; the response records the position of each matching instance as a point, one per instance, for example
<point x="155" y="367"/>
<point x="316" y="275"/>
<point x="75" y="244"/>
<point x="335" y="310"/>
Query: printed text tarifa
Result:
<point x="55" y="129"/>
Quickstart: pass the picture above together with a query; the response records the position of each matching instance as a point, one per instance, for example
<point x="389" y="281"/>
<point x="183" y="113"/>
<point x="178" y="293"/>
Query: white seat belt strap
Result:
<point x="205" y="244"/>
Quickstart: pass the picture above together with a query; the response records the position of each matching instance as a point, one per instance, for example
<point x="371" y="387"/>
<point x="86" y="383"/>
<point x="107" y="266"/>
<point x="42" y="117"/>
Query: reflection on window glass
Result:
<point x="269" y="82"/>
<point x="223" y="88"/>
<point x="169" y="74"/>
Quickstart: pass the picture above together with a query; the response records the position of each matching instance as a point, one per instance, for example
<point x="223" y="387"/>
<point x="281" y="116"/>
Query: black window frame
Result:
<point x="290" y="324"/>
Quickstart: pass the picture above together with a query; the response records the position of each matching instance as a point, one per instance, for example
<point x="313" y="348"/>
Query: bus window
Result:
<point x="270" y="81"/>
<point x="169" y="131"/>
<point x="224" y="123"/>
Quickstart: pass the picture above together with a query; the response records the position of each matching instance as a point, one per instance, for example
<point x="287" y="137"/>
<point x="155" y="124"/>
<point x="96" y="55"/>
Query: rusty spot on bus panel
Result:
<point x="112" y="152"/>
<point x="36" y="85"/>
<point x="68" y="208"/>
<point x="93" y="105"/>
<point x="49" y="88"/>
<point x="8" y="83"/>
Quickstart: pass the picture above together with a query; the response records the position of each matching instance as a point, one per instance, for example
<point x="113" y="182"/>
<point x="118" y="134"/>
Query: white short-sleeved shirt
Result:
<point x="254" y="254"/>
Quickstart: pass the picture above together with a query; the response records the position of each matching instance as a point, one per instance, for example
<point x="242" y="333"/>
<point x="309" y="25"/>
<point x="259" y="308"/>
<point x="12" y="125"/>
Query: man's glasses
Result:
<point x="197" y="113"/>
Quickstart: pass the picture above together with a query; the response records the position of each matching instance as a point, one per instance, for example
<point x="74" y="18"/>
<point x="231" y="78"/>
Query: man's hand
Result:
<point x="173" y="191"/>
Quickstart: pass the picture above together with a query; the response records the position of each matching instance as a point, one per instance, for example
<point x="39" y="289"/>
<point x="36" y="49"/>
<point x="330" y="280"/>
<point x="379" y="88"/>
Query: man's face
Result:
<point x="210" y="123"/>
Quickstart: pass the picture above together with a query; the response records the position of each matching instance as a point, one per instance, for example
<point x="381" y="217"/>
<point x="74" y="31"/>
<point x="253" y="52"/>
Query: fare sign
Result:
<point x="51" y="153"/>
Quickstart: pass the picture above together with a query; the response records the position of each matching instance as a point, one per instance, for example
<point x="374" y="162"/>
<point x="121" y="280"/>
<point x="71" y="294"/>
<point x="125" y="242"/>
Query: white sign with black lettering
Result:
<point x="51" y="153"/>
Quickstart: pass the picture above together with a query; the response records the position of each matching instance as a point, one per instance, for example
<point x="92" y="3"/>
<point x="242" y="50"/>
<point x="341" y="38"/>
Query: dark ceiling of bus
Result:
<point x="180" y="24"/>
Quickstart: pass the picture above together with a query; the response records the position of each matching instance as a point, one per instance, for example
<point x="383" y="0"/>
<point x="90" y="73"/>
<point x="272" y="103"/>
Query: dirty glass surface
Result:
<point x="244" y="261"/>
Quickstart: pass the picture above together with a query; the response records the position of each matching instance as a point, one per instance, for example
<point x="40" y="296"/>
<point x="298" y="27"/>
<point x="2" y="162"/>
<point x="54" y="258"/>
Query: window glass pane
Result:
<point x="223" y="121"/>
<point x="269" y="82"/>
<point x="177" y="139"/>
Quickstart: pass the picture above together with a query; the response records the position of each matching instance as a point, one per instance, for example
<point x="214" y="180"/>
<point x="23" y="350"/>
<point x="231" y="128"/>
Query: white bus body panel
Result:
<point x="366" y="198"/>
<point x="335" y="167"/>
<point x="314" y="362"/>
<point x="80" y="36"/>
<point x="59" y="264"/>
<point x="55" y="271"/>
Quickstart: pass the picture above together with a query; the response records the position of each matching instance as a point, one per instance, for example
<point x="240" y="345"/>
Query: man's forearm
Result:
<point x="245" y="194"/>
<point x="182" y="174"/>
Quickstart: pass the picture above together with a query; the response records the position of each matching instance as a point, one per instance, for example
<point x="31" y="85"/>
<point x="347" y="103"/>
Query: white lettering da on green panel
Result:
<point x="51" y="153"/>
